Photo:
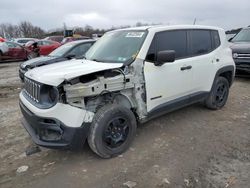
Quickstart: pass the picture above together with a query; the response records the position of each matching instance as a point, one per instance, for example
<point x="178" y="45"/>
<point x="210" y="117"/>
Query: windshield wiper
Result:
<point x="96" y="60"/>
<point x="81" y="57"/>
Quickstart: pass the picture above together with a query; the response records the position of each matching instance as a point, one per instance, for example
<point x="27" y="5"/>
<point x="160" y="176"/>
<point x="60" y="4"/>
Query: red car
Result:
<point x="15" y="52"/>
<point x="45" y="46"/>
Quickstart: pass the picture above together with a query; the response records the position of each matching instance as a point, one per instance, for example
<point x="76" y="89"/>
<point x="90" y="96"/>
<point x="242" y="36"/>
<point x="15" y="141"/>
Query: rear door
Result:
<point x="169" y="82"/>
<point x="202" y="48"/>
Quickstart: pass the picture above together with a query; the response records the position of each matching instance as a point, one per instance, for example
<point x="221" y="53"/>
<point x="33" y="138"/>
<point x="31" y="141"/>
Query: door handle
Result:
<point x="186" y="68"/>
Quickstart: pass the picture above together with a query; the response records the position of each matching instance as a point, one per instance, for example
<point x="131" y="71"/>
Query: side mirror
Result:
<point x="70" y="56"/>
<point x="166" y="56"/>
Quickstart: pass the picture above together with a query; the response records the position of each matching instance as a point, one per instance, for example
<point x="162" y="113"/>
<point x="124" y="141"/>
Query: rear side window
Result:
<point x="200" y="42"/>
<point x="169" y="40"/>
<point x="215" y="39"/>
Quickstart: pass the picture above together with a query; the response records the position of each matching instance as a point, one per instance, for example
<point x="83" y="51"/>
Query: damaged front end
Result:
<point x="123" y="85"/>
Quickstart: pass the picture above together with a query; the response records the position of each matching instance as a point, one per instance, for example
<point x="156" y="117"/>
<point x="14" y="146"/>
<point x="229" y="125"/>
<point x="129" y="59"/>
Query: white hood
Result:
<point x="55" y="74"/>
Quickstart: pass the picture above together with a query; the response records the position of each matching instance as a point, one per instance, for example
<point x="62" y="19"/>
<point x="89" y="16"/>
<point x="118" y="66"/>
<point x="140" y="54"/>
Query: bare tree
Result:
<point x="9" y="31"/>
<point x="28" y="30"/>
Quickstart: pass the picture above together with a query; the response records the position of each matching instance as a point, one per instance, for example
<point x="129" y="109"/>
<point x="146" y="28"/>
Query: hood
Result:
<point x="37" y="61"/>
<point x="241" y="47"/>
<point x="55" y="74"/>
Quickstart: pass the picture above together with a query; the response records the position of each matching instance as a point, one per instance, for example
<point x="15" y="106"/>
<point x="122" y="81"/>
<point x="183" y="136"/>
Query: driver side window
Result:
<point x="168" y="40"/>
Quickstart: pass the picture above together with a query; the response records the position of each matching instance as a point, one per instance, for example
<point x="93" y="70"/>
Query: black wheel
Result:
<point x="112" y="130"/>
<point x="218" y="95"/>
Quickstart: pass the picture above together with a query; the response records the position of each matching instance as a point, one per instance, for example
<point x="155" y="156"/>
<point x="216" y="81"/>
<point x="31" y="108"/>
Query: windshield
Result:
<point x="242" y="36"/>
<point x="59" y="52"/>
<point x="117" y="47"/>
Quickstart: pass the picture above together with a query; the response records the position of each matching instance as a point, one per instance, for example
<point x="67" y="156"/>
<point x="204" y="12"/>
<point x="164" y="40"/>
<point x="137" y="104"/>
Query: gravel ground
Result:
<point x="192" y="147"/>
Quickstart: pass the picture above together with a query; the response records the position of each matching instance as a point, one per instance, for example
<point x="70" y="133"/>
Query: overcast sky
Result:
<point x="50" y="14"/>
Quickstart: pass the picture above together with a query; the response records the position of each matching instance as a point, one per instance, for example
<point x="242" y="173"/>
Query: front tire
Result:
<point x="112" y="130"/>
<point x="218" y="95"/>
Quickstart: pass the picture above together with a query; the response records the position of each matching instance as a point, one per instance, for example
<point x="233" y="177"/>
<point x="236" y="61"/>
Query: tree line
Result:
<point x="28" y="30"/>
<point x="23" y="29"/>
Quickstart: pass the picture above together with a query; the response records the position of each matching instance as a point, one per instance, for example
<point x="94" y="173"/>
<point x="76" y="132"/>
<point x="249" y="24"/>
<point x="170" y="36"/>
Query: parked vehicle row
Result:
<point x="45" y="46"/>
<point x="13" y="51"/>
<point x="65" y="52"/>
<point x="25" y="47"/>
<point x="119" y="83"/>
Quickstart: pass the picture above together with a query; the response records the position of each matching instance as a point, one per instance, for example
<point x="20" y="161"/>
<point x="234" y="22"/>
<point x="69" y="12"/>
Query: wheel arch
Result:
<point x="227" y="72"/>
<point x="124" y="100"/>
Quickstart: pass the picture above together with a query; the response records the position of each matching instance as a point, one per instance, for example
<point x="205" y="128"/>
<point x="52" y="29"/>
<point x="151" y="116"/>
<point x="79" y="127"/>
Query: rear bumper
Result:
<point x="52" y="133"/>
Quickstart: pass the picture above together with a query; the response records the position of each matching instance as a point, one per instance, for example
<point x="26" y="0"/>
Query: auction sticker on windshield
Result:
<point x="135" y="34"/>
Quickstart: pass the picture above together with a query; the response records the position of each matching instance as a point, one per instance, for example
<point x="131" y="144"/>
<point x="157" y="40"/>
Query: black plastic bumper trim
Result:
<point x="70" y="138"/>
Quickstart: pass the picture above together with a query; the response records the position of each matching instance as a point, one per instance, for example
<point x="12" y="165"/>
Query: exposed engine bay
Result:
<point x="124" y="86"/>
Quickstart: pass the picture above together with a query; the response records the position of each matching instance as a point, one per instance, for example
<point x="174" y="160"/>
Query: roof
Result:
<point x="171" y="27"/>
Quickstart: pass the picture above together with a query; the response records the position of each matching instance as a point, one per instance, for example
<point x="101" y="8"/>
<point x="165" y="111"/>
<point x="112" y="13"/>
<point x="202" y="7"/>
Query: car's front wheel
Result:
<point x="112" y="130"/>
<point x="218" y="95"/>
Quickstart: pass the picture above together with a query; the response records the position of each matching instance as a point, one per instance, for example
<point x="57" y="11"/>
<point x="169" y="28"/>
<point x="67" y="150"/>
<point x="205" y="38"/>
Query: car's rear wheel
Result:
<point x="218" y="95"/>
<point x="112" y="130"/>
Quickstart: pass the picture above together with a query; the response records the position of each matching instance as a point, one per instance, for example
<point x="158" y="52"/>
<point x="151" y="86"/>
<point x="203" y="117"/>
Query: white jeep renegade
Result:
<point x="129" y="76"/>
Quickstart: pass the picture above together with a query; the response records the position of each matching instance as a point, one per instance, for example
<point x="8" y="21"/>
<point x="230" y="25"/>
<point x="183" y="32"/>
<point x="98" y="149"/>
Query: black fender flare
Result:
<point x="229" y="68"/>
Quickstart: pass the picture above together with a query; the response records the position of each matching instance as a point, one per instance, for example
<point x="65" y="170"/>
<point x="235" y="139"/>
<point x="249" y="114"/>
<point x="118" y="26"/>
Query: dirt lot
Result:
<point x="192" y="147"/>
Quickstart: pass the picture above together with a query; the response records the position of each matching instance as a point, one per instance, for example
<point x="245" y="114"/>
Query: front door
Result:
<point x="171" y="81"/>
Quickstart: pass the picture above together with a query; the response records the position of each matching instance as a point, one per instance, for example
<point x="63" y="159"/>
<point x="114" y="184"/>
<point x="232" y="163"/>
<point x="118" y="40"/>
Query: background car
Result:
<point x="67" y="51"/>
<point x="23" y="41"/>
<point x="15" y="52"/>
<point x="70" y="39"/>
<point x="241" y="51"/>
<point x="45" y="46"/>
<point x="55" y="38"/>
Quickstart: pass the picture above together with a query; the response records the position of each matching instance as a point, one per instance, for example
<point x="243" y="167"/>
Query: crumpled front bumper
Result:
<point x="62" y="126"/>
<point x="52" y="133"/>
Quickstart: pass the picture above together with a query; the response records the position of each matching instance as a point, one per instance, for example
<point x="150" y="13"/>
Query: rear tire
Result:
<point x="112" y="130"/>
<point x="219" y="94"/>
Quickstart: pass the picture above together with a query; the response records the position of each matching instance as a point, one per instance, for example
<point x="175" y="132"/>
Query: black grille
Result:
<point x="32" y="89"/>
